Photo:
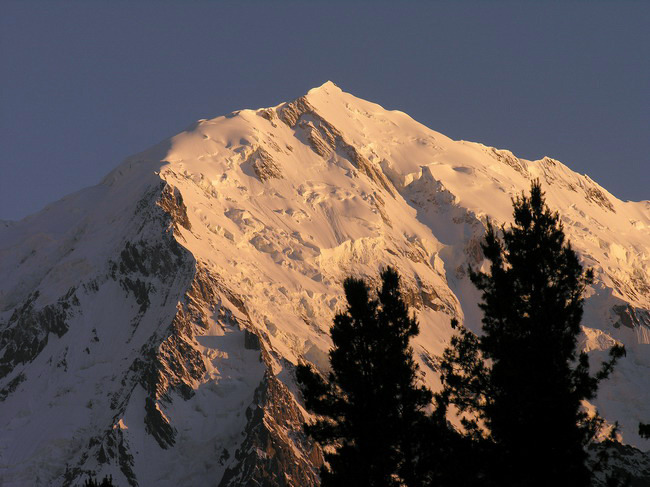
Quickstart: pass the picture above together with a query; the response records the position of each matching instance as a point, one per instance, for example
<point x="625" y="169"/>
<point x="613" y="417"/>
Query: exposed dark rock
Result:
<point x="291" y="112"/>
<point x="276" y="452"/>
<point x="171" y="202"/>
<point x="111" y="447"/>
<point x="631" y="317"/>
<point x="263" y="165"/>
<point x="11" y="386"/>
<point x="145" y="264"/>
<point x="251" y="341"/>
<point x="412" y="297"/>
<point x="431" y="299"/>
<point x="161" y="259"/>
<point x="324" y="139"/>
<point x="174" y="365"/>
<point x="157" y="425"/>
<point x="597" y="196"/>
<point x="318" y="143"/>
<point x="27" y="332"/>
<point x="382" y="213"/>
<point x="625" y="461"/>
<point x="416" y="253"/>
<point x="225" y="455"/>
<point x="269" y="114"/>
<point x="140" y="290"/>
<point x="508" y="158"/>
<point x="474" y="251"/>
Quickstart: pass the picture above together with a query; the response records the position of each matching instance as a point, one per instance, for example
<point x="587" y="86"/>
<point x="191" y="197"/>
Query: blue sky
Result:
<point x="85" y="84"/>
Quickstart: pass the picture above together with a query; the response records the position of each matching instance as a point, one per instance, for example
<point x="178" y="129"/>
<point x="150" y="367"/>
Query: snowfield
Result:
<point x="150" y="325"/>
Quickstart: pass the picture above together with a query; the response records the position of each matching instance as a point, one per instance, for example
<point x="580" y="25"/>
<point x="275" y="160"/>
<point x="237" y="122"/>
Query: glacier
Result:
<point x="150" y="325"/>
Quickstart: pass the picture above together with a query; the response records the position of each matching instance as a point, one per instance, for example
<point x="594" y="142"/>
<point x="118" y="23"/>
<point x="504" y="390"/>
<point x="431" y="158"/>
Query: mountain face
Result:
<point x="150" y="325"/>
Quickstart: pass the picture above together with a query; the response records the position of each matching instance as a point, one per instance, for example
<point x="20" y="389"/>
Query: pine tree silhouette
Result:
<point x="644" y="431"/>
<point x="523" y="380"/>
<point x="106" y="482"/>
<point x="370" y="404"/>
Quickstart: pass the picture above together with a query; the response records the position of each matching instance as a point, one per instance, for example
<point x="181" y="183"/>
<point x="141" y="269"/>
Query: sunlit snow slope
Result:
<point x="150" y="325"/>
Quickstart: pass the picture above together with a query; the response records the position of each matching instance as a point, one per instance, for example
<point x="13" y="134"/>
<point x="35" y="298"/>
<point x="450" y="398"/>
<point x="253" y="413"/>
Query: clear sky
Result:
<point x="85" y="84"/>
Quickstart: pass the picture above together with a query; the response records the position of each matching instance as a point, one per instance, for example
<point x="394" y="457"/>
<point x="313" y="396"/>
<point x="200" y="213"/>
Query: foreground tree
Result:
<point x="106" y="482"/>
<point x="520" y="385"/>
<point x="371" y="406"/>
<point x="644" y="431"/>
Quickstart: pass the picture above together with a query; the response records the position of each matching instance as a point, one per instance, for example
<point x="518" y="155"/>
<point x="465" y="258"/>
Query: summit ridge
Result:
<point x="150" y="325"/>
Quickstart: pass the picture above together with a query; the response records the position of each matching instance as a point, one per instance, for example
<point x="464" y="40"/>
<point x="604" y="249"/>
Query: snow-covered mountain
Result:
<point x="150" y="325"/>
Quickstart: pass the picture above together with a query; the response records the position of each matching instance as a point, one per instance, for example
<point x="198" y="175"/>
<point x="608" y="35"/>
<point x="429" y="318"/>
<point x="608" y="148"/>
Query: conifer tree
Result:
<point x="523" y="380"/>
<point x="370" y="404"/>
<point x="106" y="482"/>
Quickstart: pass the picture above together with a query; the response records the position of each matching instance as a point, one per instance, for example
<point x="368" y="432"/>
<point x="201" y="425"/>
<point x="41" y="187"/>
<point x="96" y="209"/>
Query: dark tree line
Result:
<point x="106" y="482"/>
<point x="518" y="387"/>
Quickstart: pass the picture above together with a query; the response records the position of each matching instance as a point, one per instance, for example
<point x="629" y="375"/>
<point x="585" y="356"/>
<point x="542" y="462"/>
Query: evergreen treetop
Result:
<point x="106" y="482"/>
<point x="523" y="380"/>
<point x="370" y="405"/>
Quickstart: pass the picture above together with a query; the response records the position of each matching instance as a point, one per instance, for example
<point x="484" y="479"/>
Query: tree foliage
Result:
<point x="519" y="387"/>
<point x="644" y="431"/>
<point x="106" y="482"/>
<point x="370" y="406"/>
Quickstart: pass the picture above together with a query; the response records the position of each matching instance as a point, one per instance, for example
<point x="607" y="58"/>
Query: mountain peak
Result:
<point x="326" y="93"/>
<point x="327" y="87"/>
<point x="158" y="317"/>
